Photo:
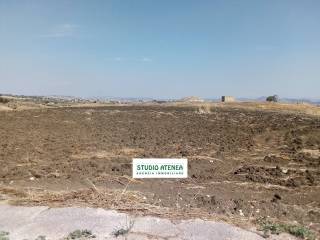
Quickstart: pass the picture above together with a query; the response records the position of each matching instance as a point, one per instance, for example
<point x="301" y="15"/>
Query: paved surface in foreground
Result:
<point x="57" y="223"/>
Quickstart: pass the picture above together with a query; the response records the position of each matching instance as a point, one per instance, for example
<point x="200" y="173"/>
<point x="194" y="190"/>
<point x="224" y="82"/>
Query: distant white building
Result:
<point x="227" y="99"/>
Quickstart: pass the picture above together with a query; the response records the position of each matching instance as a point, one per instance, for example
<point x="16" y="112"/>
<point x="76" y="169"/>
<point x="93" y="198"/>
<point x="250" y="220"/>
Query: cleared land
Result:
<point x="244" y="162"/>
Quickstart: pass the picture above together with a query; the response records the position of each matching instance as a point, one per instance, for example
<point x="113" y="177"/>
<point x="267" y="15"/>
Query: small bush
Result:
<point x="4" y="235"/>
<point x="203" y="109"/>
<point x="300" y="231"/>
<point x="41" y="237"/>
<point x="4" y="100"/>
<point x="123" y="231"/>
<point x="80" y="234"/>
<point x="273" y="98"/>
<point x="268" y="226"/>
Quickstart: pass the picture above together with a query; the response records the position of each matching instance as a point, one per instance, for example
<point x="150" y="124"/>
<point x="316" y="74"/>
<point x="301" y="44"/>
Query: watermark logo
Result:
<point x="159" y="168"/>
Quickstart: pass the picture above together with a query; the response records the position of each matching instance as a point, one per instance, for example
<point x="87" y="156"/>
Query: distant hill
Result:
<point x="191" y="99"/>
<point x="143" y="99"/>
<point x="283" y="100"/>
<point x="300" y="100"/>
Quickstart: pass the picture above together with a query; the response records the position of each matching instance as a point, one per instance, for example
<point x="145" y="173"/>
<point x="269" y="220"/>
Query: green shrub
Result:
<point x="273" y="98"/>
<point x="268" y="226"/>
<point x="4" y="235"/>
<point x="80" y="234"/>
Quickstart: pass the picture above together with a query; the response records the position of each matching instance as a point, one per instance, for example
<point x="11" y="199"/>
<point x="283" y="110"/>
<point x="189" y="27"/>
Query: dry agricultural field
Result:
<point x="244" y="162"/>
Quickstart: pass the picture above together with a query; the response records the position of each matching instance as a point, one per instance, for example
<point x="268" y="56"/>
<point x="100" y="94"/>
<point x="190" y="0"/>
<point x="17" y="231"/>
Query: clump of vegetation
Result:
<point x="41" y="237"/>
<point x="4" y="235"/>
<point x="123" y="231"/>
<point x="203" y="109"/>
<point x="268" y="227"/>
<point x="274" y="98"/>
<point x="80" y="234"/>
<point x="4" y="100"/>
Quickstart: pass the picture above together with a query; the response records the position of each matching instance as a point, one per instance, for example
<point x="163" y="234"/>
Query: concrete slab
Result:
<point x="57" y="223"/>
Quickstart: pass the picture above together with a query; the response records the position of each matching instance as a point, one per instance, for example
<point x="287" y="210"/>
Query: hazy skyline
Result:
<point x="160" y="49"/>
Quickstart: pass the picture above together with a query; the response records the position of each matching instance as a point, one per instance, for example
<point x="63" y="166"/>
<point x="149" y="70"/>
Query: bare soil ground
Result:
<point x="243" y="163"/>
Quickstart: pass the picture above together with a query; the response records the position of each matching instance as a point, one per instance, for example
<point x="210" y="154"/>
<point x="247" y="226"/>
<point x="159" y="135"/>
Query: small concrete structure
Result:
<point x="227" y="99"/>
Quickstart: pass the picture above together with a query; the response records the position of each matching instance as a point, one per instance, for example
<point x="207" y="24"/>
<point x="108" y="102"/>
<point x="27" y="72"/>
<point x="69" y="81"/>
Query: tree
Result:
<point x="273" y="98"/>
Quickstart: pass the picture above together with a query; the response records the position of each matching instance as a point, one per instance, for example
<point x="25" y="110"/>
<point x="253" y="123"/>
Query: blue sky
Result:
<point x="160" y="49"/>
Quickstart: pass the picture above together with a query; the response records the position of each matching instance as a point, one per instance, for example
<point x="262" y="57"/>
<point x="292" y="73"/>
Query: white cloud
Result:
<point x="61" y="30"/>
<point x="146" y="59"/>
<point x="122" y="59"/>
